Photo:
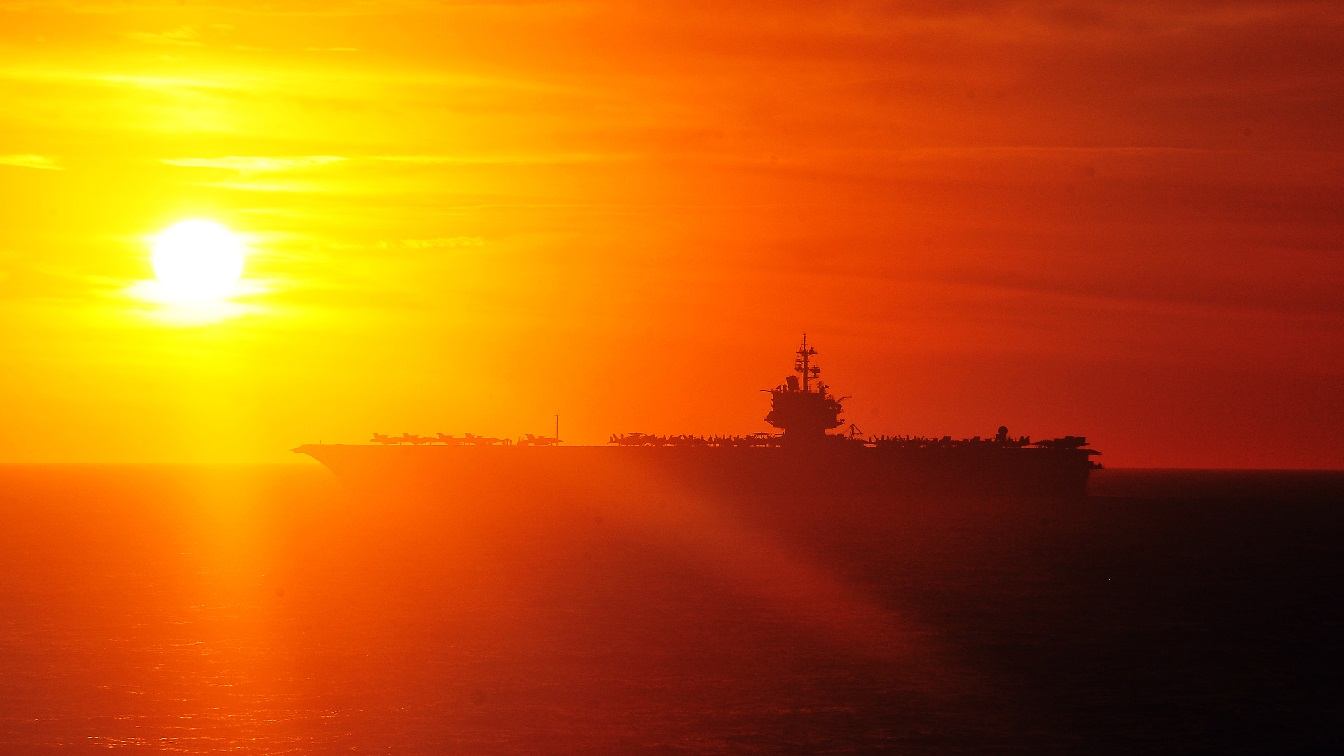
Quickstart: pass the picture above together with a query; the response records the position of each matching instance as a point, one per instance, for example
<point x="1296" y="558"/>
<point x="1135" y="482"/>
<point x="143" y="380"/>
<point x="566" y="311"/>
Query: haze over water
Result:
<point x="210" y="609"/>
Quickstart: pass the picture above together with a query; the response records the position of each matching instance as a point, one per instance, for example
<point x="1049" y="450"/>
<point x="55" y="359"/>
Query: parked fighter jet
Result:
<point x="379" y="438"/>
<point x="417" y="440"/>
<point x="531" y="440"/>
<point x="1067" y="442"/>
<point x="450" y="440"/>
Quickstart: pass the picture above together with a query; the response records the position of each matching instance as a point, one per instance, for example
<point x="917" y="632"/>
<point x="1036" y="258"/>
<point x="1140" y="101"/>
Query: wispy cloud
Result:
<point x="438" y="242"/>
<point x="257" y="164"/>
<point x="442" y="242"/>
<point x="30" y="161"/>
<point x="184" y="36"/>
<point x="282" y="8"/>
<point x="215" y="81"/>
<point x="538" y="159"/>
<point x="275" y="163"/>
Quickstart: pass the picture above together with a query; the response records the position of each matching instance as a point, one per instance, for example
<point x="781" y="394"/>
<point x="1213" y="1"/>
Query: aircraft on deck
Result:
<point x="531" y="440"/>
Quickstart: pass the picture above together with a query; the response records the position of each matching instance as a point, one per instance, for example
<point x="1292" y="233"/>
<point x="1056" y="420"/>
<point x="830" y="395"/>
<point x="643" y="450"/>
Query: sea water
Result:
<point x="262" y="609"/>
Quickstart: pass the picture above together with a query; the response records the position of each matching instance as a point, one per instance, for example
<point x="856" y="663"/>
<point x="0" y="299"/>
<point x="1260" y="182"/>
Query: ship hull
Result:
<point x="483" y="471"/>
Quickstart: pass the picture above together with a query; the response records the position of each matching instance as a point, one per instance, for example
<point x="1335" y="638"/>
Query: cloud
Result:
<point x="439" y="242"/>
<point x="185" y="36"/>
<point x="278" y="8"/>
<point x="248" y="164"/>
<point x="442" y="241"/>
<point x="30" y="161"/>
<point x="257" y="164"/>
<point x="542" y="159"/>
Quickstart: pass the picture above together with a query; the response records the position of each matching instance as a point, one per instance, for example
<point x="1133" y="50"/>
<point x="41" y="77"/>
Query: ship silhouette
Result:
<point x="803" y="458"/>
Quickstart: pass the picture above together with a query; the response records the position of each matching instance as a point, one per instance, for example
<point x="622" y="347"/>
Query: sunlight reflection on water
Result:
<point x="208" y="610"/>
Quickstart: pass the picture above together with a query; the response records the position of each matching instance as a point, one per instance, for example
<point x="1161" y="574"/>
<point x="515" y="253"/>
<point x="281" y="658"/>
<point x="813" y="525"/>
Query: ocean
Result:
<point x="262" y="609"/>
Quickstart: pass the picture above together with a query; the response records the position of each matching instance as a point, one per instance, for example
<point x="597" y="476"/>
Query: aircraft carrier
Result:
<point x="803" y="457"/>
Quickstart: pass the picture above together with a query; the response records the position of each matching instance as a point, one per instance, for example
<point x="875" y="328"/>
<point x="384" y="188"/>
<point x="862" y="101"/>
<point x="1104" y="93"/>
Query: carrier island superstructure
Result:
<point x="803" y="457"/>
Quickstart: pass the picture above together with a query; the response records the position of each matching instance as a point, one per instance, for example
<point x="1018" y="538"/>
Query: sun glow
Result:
<point x="197" y="261"/>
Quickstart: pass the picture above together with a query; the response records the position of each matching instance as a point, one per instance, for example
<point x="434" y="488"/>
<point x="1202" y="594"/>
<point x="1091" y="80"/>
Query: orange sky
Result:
<point x="1069" y="218"/>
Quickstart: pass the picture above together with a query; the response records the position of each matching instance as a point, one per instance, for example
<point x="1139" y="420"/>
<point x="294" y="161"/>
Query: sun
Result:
<point x="197" y="261"/>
